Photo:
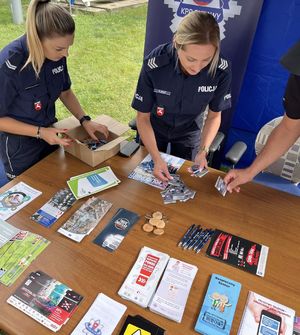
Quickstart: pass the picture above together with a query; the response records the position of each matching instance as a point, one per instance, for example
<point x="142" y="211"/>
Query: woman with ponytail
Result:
<point x="33" y="75"/>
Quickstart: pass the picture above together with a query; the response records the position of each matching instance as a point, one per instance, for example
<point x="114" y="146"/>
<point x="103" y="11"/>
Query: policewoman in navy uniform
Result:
<point x="176" y="84"/>
<point x="285" y="134"/>
<point x="33" y="75"/>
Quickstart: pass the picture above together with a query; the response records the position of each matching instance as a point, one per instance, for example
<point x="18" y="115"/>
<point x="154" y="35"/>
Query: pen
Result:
<point x="195" y="239"/>
<point x="185" y="236"/>
<point x="205" y="239"/>
<point x="204" y="232"/>
<point x="193" y="233"/>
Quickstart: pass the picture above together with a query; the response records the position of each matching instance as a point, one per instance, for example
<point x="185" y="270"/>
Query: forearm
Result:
<point x="147" y="135"/>
<point x="12" y="126"/>
<point x="210" y="129"/>
<point x="69" y="99"/>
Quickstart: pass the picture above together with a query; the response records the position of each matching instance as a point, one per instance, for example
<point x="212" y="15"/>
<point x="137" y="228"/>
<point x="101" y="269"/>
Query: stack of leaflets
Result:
<point x="171" y="296"/>
<point x="46" y="300"/>
<point x="18" y="253"/>
<point x="85" y="219"/>
<point x="137" y="325"/>
<point x="49" y="213"/>
<point x="92" y="182"/>
<point x="7" y="232"/>
<point x="101" y="318"/>
<point x="16" y="198"/>
<point x="143" y="278"/>
<point x="234" y="250"/>
<point x="144" y="171"/>
<point x="263" y="316"/>
<point x="219" y="306"/>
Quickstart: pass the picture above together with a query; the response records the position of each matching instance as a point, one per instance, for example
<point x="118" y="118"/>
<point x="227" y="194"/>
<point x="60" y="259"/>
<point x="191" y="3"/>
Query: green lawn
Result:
<point x="104" y="61"/>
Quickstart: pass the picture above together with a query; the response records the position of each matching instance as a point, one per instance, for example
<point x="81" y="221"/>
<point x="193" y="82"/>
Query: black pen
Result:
<point x="185" y="236"/>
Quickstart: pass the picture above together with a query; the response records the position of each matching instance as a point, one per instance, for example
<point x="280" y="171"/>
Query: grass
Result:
<point x="104" y="61"/>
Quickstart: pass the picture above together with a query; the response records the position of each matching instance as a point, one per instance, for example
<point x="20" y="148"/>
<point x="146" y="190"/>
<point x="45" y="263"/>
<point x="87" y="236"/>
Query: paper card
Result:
<point x="101" y="318"/>
<point x="49" y="213"/>
<point x="7" y="232"/>
<point x="16" y="198"/>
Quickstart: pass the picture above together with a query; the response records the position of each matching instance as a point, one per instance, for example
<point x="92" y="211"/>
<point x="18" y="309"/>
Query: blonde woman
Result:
<point x="33" y="75"/>
<point x="177" y="82"/>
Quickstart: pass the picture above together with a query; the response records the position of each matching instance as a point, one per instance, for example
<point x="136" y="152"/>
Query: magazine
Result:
<point x="265" y="316"/>
<point x="16" y="198"/>
<point x="46" y="300"/>
<point x="219" y="306"/>
<point x="171" y="296"/>
<point x="144" y="171"/>
<point x="239" y="252"/>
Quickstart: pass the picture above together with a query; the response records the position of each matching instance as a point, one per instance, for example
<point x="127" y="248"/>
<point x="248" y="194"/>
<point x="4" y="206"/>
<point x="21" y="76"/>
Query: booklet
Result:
<point x="49" y="213"/>
<point x="16" y="198"/>
<point x="219" y="306"/>
<point x="140" y="326"/>
<point x="7" y="232"/>
<point x="239" y="252"/>
<point x="296" y="326"/>
<point x="143" y="278"/>
<point x="144" y="171"/>
<point x="117" y="228"/>
<point x="85" y="219"/>
<point x="46" y="300"/>
<point x="92" y="182"/>
<point x="171" y="296"/>
<point x="101" y="318"/>
<point x="264" y="316"/>
<point x="17" y="254"/>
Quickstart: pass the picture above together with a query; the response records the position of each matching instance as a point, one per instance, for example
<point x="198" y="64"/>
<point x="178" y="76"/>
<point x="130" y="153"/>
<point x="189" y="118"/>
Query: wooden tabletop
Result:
<point x="258" y="213"/>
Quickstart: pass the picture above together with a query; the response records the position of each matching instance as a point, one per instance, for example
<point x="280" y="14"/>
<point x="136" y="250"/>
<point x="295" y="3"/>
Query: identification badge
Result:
<point x="38" y="106"/>
<point x="160" y="111"/>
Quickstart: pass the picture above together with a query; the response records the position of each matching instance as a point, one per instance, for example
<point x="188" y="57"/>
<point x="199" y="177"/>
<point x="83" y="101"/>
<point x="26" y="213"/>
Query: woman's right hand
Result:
<point x="161" y="171"/>
<point x="51" y="136"/>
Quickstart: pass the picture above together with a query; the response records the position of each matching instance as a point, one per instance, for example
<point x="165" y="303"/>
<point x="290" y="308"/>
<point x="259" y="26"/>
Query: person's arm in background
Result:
<point x="280" y="140"/>
<point x="209" y="132"/>
<point x="148" y="138"/>
<point x="69" y="99"/>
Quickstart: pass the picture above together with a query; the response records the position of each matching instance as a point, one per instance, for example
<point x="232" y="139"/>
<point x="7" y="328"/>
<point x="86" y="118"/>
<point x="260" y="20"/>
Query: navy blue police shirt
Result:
<point x="174" y="99"/>
<point x="24" y="97"/>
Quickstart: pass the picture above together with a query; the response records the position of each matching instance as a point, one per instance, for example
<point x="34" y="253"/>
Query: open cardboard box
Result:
<point x="78" y="133"/>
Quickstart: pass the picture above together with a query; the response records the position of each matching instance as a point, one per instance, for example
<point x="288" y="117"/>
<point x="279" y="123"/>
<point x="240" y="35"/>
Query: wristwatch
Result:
<point x="85" y="118"/>
<point x="205" y="149"/>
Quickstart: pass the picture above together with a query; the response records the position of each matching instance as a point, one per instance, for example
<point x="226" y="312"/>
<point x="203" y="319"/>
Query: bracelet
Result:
<point x="205" y="149"/>
<point x="38" y="133"/>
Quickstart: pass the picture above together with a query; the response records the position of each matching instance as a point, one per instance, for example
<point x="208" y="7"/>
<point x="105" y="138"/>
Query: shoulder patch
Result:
<point x="223" y="64"/>
<point x="156" y="62"/>
<point x="13" y="62"/>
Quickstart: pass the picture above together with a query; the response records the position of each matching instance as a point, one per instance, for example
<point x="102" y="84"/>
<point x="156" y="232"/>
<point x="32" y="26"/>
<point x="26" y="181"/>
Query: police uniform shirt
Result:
<point x="179" y="98"/>
<point x="291" y="99"/>
<point x="24" y="97"/>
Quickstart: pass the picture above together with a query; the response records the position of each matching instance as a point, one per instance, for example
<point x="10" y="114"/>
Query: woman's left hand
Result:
<point x="92" y="127"/>
<point x="201" y="160"/>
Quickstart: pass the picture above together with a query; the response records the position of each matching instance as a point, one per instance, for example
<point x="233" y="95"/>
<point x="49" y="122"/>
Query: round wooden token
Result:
<point x="147" y="227"/>
<point x="161" y="224"/>
<point x="154" y="221"/>
<point x="157" y="215"/>
<point x="158" y="231"/>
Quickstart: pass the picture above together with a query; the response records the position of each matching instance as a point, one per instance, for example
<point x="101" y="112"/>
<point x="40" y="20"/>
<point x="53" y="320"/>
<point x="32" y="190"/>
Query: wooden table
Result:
<point x="258" y="213"/>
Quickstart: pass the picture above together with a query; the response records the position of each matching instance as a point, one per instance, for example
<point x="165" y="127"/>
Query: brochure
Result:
<point x="101" y="318"/>
<point x="144" y="171"/>
<point x="49" y="213"/>
<point x="140" y="326"/>
<point x="17" y="254"/>
<point x="92" y="182"/>
<point x="85" y="219"/>
<point x="7" y="232"/>
<point x="239" y="252"/>
<point x="143" y="278"/>
<point x="219" y="306"/>
<point x="296" y="326"/>
<point x="46" y="300"/>
<point x="16" y="198"/>
<point x="264" y="316"/>
<point x="171" y="296"/>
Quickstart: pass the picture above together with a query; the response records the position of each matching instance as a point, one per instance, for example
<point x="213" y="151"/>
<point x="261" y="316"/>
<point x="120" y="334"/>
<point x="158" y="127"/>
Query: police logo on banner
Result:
<point x="221" y="10"/>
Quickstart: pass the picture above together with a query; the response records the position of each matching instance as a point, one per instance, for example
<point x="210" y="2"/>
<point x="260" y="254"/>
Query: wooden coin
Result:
<point x="157" y="215"/>
<point x="161" y="224"/>
<point x="154" y="221"/>
<point x="147" y="227"/>
<point x="158" y="231"/>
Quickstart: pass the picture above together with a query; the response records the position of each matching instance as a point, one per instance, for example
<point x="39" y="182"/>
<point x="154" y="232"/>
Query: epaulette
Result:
<point x="223" y="64"/>
<point x="152" y="63"/>
<point x="12" y="63"/>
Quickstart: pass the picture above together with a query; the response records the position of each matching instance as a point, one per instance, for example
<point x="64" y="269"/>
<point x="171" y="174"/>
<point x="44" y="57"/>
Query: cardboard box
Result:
<point x="78" y="133"/>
